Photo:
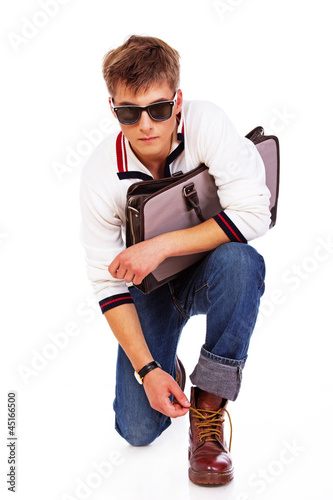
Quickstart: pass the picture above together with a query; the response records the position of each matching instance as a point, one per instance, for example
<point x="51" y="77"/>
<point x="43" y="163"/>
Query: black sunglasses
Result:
<point x="158" y="111"/>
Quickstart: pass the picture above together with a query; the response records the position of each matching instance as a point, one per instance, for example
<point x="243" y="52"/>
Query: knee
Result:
<point x="246" y="259"/>
<point x="241" y="263"/>
<point x="135" y="440"/>
<point x="140" y="434"/>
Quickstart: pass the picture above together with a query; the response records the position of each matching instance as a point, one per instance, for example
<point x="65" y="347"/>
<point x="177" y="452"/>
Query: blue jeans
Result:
<point x="226" y="286"/>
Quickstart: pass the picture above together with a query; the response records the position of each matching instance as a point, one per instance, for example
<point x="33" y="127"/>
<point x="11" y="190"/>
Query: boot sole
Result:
<point x="210" y="477"/>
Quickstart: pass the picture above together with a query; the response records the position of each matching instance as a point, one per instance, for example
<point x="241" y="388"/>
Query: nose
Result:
<point x="145" y="121"/>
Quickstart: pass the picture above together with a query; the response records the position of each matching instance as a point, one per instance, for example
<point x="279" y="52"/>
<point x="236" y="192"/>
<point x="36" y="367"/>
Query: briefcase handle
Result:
<point x="192" y="200"/>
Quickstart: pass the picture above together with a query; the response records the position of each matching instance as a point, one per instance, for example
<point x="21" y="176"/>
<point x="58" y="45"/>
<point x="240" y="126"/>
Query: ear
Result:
<point x="179" y="101"/>
<point x="110" y="103"/>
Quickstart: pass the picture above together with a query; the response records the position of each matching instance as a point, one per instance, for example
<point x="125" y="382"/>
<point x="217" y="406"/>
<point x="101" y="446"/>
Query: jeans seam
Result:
<point x="206" y="284"/>
<point x="176" y="304"/>
<point x="179" y="308"/>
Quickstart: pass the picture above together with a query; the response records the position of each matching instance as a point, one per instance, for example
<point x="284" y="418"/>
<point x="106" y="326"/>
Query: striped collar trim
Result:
<point x="121" y="153"/>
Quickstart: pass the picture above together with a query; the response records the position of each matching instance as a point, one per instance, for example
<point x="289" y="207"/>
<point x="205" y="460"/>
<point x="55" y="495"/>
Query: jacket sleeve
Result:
<point x="239" y="174"/>
<point x="101" y="236"/>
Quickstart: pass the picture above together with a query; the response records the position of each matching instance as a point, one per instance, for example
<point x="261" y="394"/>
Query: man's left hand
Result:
<point x="137" y="261"/>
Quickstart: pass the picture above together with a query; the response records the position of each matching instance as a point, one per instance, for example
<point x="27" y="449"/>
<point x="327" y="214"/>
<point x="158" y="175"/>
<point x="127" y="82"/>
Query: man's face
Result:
<point x="149" y="139"/>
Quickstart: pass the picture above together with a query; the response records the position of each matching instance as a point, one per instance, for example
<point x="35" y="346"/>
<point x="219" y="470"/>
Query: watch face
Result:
<point x="138" y="378"/>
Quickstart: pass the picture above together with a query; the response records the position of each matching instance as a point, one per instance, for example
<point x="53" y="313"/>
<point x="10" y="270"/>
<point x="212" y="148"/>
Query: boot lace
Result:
<point x="210" y="423"/>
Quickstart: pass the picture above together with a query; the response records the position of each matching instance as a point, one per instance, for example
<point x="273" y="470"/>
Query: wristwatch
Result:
<point x="146" y="369"/>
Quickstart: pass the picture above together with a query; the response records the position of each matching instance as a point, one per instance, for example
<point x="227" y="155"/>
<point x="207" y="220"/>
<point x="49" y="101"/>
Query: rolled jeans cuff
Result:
<point x="218" y="375"/>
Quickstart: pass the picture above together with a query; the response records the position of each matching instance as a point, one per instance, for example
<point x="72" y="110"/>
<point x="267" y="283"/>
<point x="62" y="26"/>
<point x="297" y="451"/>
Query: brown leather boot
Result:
<point x="210" y="460"/>
<point x="180" y="374"/>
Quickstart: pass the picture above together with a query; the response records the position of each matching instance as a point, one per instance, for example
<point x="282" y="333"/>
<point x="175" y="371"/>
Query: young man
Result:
<point x="160" y="135"/>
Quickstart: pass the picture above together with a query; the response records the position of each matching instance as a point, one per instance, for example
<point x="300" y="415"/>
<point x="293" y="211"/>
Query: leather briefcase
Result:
<point x="159" y="206"/>
<point x="184" y="200"/>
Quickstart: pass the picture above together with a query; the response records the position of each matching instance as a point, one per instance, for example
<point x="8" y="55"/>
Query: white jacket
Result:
<point x="204" y="135"/>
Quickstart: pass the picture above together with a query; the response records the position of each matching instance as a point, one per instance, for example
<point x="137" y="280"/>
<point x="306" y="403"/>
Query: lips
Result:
<point x="148" y="139"/>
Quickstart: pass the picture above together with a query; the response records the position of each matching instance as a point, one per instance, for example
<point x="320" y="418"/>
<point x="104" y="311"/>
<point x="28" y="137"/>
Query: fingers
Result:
<point x="123" y="270"/>
<point x="162" y="402"/>
<point x="136" y="262"/>
<point x="173" y="410"/>
<point x="177" y="411"/>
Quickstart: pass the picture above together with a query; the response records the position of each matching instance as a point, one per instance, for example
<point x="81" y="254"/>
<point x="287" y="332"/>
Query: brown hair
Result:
<point x="140" y="62"/>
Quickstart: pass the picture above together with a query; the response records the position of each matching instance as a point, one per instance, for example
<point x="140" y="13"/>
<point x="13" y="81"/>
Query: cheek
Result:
<point x="128" y="131"/>
<point x="169" y="126"/>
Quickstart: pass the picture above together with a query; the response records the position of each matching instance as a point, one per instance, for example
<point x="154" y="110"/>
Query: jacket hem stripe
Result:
<point x="114" y="301"/>
<point x="229" y="228"/>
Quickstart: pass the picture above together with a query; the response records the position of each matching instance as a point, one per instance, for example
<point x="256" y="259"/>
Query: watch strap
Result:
<point x="148" y="368"/>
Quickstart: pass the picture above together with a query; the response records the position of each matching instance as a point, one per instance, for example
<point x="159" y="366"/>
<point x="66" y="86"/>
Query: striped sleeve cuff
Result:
<point x="229" y="228"/>
<point x="114" y="301"/>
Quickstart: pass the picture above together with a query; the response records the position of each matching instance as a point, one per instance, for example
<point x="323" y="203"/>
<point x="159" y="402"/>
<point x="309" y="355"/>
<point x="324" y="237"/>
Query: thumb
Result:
<point x="180" y="396"/>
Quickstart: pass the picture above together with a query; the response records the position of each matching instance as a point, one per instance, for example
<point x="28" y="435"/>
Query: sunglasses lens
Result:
<point x="131" y="114"/>
<point x="128" y="115"/>
<point x="161" y="111"/>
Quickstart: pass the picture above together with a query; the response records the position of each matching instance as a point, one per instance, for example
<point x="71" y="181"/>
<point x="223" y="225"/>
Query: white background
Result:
<point x="266" y="63"/>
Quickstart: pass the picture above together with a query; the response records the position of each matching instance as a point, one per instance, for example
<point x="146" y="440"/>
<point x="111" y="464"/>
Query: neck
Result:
<point x="156" y="169"/>
<point x="155" y="164"/>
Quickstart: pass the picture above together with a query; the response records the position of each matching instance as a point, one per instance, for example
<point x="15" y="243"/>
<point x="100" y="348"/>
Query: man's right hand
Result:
<point x="159" y="386"/>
